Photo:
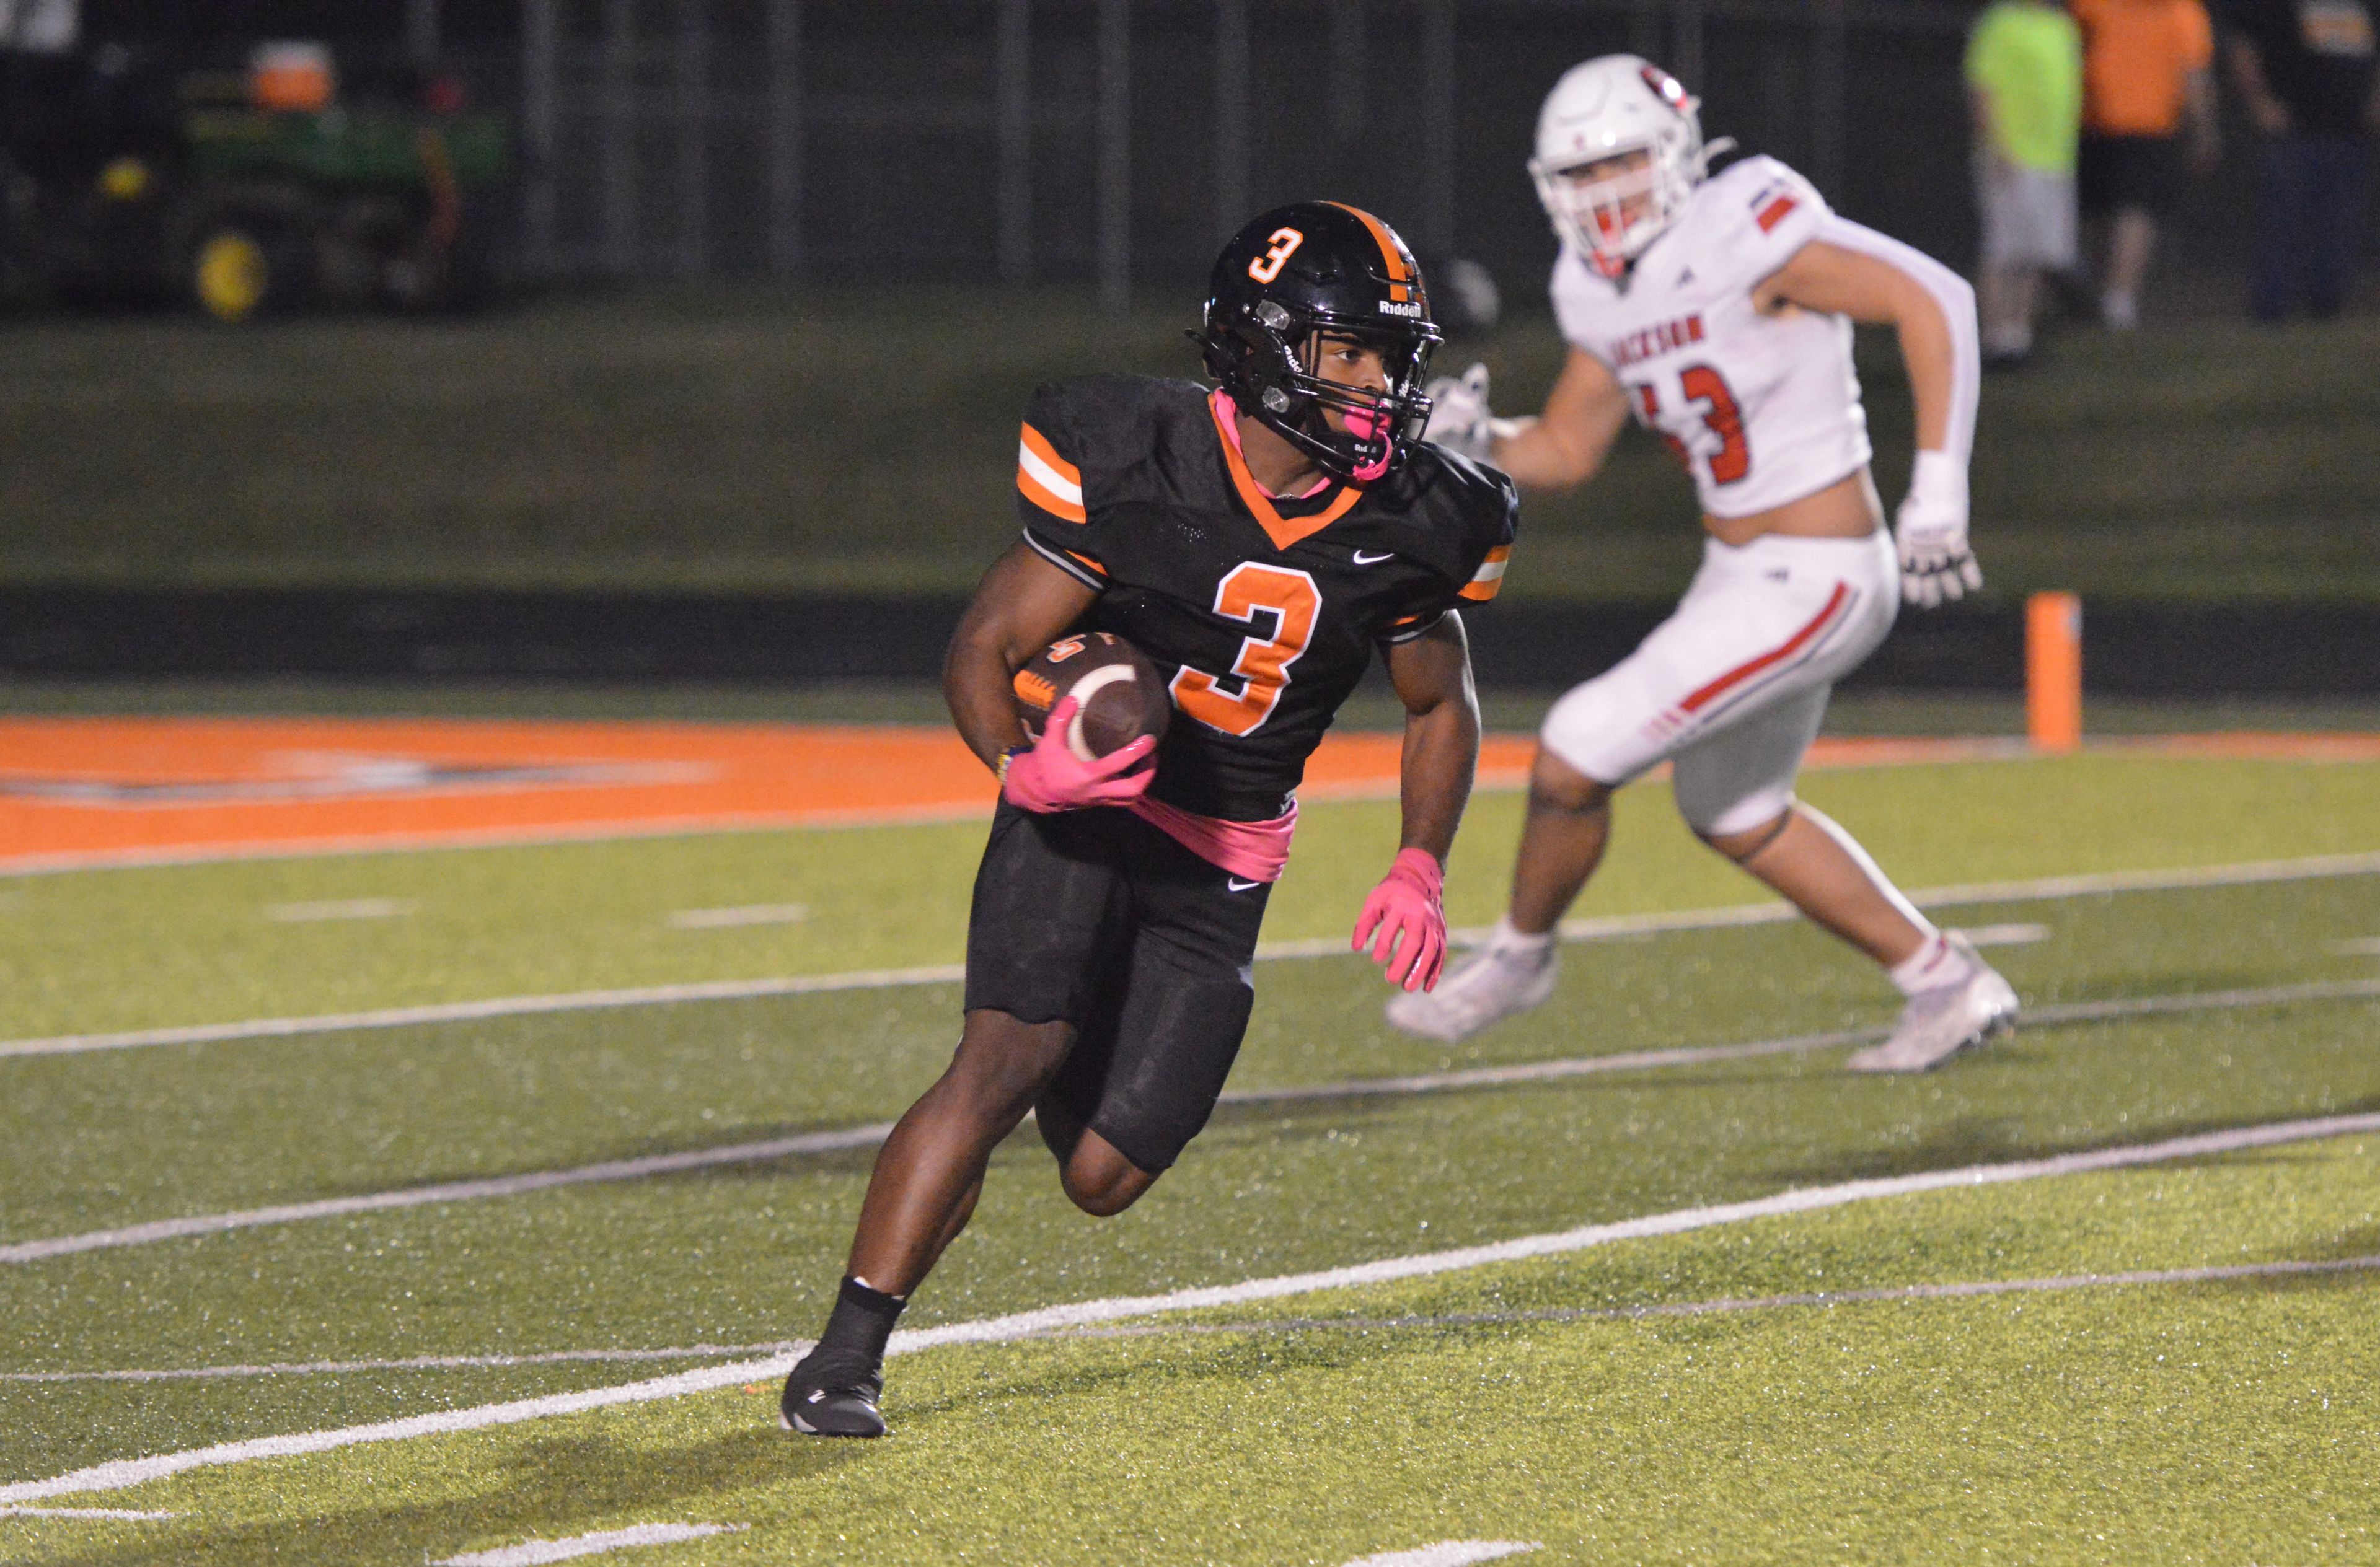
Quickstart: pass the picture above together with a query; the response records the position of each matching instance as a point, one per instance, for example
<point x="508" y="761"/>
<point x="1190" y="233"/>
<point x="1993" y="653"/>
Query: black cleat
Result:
<point x="833" y="1394"/>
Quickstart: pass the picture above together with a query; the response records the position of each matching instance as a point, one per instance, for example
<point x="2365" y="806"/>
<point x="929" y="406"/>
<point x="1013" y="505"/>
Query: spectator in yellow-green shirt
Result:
<point x="2025" y="75"/>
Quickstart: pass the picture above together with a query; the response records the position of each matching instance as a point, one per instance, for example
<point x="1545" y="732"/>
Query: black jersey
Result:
<point x="1261" y="613"/>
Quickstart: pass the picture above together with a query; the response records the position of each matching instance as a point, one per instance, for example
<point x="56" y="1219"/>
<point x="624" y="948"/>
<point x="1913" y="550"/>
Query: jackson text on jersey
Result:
<point x="1665" y="337"/>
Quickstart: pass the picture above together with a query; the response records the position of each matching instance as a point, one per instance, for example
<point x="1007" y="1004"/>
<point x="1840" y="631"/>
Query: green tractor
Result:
<point x="244" y="193"/>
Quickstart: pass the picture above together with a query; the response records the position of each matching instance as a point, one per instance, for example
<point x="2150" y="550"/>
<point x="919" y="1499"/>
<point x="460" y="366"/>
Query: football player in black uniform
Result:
<point x="1256" y="541"/>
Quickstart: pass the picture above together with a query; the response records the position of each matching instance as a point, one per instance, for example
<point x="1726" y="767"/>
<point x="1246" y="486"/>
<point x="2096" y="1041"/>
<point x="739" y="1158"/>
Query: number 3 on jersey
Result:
<point x="1262" y="667"/>
<point x="1705" y="388"/>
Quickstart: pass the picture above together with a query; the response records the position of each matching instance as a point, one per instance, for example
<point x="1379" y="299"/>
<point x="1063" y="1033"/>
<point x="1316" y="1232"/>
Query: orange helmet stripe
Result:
<point x="1058" y="506"/>
<point x="1400" y="275"/>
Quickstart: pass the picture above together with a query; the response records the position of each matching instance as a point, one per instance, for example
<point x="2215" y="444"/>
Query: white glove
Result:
<point x="1459" y="419"/>
<point x="1935" y="564"/>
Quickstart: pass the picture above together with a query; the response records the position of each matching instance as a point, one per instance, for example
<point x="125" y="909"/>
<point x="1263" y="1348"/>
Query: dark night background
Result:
<point x="900" y="177"/>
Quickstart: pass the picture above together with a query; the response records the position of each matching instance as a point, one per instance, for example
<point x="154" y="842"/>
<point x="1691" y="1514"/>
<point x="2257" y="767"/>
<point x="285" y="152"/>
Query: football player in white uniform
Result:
<point x="1717" y="310"/>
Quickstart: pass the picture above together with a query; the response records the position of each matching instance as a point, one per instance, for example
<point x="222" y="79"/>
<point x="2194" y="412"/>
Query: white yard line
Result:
<point x="120" y="1513"/>
<point x="1359" y="1088"/>
<point x="1699" y="1055"/>
<point x="2005" y="935"/>
<point x="1604" y="929"/>
<point x="2364" y="947"/>
<point x="413" y="1363"/>
<point x="1449" y="1553"/>
<point x="736" y="918"/>
<point x="501" y="1006"/>
<point x="340" y="909"/>
<point x="535" y="1554"/>
<point x="124" y="1472"/>
<point x="29" y="866"/>
<point x="449" y="1191"/>
<point x="1959" y="1291"/>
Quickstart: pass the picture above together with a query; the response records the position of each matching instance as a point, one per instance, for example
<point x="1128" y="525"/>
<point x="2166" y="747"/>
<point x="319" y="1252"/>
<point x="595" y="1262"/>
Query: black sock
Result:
<point x="861" y="1322"/>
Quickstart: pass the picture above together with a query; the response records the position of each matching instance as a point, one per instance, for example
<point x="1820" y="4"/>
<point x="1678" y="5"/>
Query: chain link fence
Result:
<point x="1114" y="143"/>
<point x="1117" y="141"/>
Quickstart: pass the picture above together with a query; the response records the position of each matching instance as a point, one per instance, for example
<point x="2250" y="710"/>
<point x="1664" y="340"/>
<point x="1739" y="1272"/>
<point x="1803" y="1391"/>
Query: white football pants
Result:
<point x="1732" y="686"/>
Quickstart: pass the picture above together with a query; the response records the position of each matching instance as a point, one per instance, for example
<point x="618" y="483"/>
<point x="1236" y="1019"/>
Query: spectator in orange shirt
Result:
<point x="2146" y="81"/>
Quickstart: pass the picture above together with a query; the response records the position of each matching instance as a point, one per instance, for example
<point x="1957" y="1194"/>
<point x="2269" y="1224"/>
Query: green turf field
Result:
<point x="739" y="441"/>
<point x="1373" y="705"/>
<point x="156" y="946"/>
<point x="1531" y="1401"/>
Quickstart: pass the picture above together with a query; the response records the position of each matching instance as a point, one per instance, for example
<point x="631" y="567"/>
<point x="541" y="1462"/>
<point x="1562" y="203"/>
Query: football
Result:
<point x="1122" y="696"/>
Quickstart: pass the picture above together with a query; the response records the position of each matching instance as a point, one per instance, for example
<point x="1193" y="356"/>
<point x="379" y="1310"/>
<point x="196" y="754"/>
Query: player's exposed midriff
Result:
<point x="1849" y="508"/>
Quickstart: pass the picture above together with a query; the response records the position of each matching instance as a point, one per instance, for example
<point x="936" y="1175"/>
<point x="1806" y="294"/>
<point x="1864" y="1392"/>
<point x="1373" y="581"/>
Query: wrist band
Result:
<point x="1000" y="768"/>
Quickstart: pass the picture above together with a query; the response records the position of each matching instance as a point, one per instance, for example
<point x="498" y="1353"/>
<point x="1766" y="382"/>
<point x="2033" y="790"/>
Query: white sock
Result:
<point x="1533" y="949"/>
<point x="1935" y="964"/>
<point x="2120" y="309"/>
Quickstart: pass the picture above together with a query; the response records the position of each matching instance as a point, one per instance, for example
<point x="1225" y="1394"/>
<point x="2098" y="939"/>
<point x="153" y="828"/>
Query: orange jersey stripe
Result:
<point x="1033" y="489"/>
<point x="1484" y="582"/>
<point x="1040" y="447"/>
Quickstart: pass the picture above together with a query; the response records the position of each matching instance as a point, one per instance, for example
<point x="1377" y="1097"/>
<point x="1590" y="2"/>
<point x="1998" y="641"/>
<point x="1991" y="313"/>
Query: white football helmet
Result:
<point x="1611" y="106"/>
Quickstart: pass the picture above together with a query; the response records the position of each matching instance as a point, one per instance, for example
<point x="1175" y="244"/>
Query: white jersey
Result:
<point x="1761" y="409"/>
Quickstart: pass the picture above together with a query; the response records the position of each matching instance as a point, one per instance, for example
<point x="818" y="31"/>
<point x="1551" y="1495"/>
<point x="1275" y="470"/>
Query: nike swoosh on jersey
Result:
<point x="1363" y="559"/>
<point x="1236" y="885"/>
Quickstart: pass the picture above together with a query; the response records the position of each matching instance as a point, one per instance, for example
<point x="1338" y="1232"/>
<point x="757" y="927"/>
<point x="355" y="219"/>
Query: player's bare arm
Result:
<point x="1404" y="922"/>
<point x="1853" y="271"/>
<point x="1564" y="446"/>
<point x="1834" y="280"/>
<point x="1022" y="605"/>
<point x="1432" y="676"/>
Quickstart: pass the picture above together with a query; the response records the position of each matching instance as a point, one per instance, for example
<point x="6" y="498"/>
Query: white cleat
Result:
<point x="1493" y="983"/>
<point x="1938" y="1023"/>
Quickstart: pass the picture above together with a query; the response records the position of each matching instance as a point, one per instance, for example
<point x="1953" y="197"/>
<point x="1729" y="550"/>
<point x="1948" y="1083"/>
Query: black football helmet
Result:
<point x="1287" y="279"/>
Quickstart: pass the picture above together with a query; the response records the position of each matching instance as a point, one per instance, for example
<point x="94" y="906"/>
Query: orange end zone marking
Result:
<point x="84" y="792"/>
<point x="204" y="788"/>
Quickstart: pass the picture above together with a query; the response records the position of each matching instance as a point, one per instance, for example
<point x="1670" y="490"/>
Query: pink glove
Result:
<point x="1406" y="904"/>
<point x="1052" y="777"/>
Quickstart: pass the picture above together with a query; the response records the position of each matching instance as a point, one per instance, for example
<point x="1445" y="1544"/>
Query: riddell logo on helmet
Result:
<point x="1390" y="308"/>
